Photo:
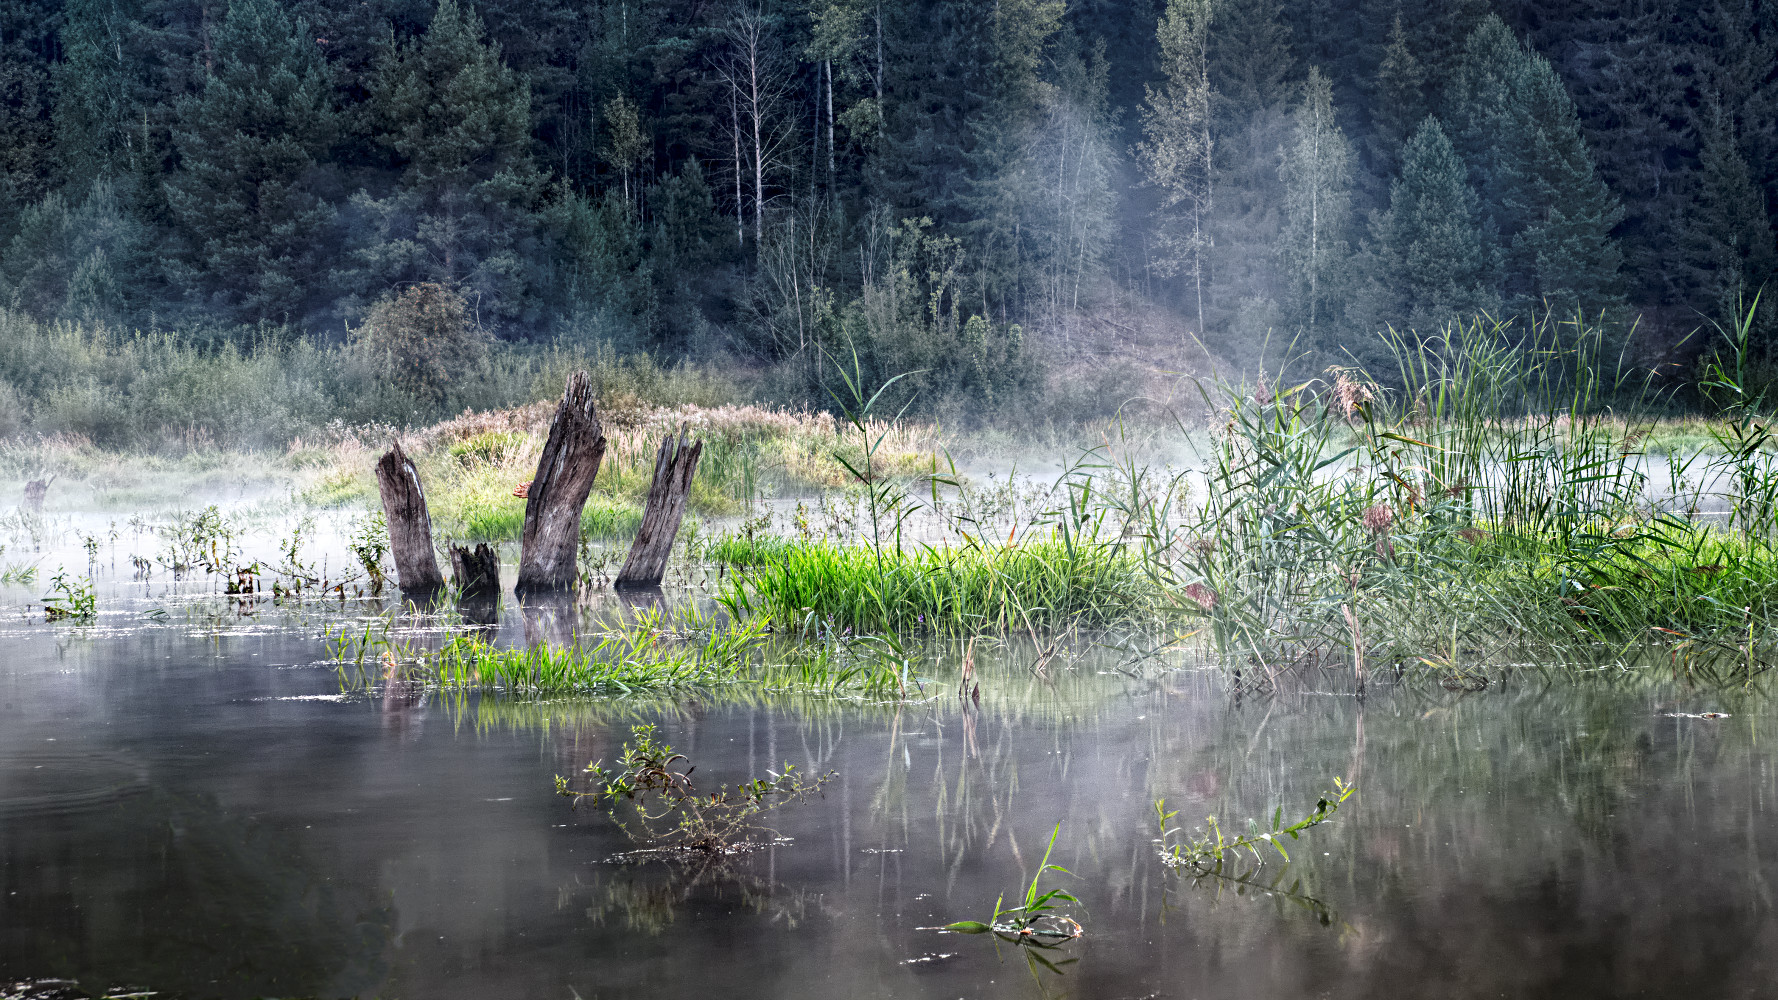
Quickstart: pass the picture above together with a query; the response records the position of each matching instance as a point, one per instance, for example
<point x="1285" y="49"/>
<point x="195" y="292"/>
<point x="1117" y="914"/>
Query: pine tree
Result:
<point x="1727" y="247"/>
<point x="1400" y="99"/>
<point x="1250" y="59"/>
<point x="1003" y="191"/>
<point x="1176" y="150"/>
<point x="1516" y="126"/>
<point x="250" y="147"/>
<point x="1317" y="176"/>
<point x="84" y="261"/>
<point x="28" y="36"/>
<point x="1564" y="258"/>
<point x="1429" y="263"/>
<point x="458" y="123"/>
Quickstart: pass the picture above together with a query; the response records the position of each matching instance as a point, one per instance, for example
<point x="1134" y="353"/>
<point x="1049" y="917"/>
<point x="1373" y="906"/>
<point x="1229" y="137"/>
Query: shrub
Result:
<point x="424" y="339"/>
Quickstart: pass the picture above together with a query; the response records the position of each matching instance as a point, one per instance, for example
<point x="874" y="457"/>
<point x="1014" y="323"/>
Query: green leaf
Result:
<point x="967" y="927"/>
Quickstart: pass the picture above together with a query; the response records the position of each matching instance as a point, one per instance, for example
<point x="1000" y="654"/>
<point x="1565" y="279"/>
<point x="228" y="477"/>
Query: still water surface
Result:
<point x="190" y="807"/>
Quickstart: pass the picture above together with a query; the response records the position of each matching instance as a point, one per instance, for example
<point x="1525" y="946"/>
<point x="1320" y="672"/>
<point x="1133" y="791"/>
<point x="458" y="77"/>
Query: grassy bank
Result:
<point x="472" y="463"/>
<point x="1480" y="505"/>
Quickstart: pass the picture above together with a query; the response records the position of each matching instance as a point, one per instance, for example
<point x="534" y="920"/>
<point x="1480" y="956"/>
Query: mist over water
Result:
<point x="191" y="806"/>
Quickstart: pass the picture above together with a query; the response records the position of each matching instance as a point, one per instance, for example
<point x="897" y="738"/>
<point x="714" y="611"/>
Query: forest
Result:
<point x="956" y="189"/>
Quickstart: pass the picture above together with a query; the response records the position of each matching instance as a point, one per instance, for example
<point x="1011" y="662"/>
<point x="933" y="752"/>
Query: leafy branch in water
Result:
<point x="72" y="600"/>
<point x="680" y="819"/>
<point x="1035" y="923"/>
<point x="1206" y="853"/>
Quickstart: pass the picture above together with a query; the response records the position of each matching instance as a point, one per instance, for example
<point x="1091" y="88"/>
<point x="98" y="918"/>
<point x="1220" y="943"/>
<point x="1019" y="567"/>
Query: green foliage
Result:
<point x="82" y="262"/>
<point x="1316" y="170"/>
<point x="370" y="543"/>
<point x="684" y="820"/>
<point x="1206" y="853"/>
<point x="1516" y="127"/>
<point x="423" y="339"/>
<point x="638" y="657"/>
<point x="1036" y="922"/>
<point x="590" y="174"/>
<point x="70" y="599"/>
<point x="250" y="148"/>
<point x="1043" y="583"/>
<point x="1431" y="261"/>
<point x="907" y="329"/>
<point x="457" y="122"/>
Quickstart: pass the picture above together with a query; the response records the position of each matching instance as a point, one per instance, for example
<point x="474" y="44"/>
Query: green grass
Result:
<point x="1044" y="584"/>
<point x="638" y="658"/>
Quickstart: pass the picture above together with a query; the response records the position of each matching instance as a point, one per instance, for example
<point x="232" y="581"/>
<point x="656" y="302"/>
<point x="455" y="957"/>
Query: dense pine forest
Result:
<point x="940" y="187"/>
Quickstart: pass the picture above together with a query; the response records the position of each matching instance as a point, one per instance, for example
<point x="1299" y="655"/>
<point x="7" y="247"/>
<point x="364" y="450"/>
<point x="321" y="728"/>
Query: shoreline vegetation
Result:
<point x="1488" y="501"/>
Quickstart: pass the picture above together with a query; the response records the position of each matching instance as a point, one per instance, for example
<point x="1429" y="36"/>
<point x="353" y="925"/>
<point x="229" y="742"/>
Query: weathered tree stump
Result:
<point x="477" y="572"/>
<point x="565" y="473"/>
<point x="410" y="528"/>
<point x="674" y="466"/>
<point x="35" y="490"/>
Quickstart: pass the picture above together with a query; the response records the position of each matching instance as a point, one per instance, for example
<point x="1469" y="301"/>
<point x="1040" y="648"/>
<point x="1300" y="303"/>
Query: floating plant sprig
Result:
<point x="1207" y="852"/>
<point x="1034" y="924"/>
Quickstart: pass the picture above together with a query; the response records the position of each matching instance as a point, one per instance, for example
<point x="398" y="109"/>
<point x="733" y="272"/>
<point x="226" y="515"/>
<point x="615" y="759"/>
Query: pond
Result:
<point x="189" y="805"/>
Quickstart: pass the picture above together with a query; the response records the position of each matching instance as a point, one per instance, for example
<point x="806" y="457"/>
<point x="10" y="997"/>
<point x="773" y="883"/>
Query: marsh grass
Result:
<point x="1047" y="584"/>
<point x="1485" y="502"/>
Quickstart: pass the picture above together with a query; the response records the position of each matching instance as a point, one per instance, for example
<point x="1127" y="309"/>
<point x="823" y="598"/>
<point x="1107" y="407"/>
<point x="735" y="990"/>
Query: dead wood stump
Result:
<point x="410" y="528"/>
<point x="35" y="490"/>
<point x="674" y="466"/>
<point x="553" y="503"/>
<point x="476" y="572"/>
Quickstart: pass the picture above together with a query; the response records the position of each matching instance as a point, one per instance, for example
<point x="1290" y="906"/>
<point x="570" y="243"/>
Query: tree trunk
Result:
<point x="565" y="475"/>
<point x="477" y="573"/>
<point x="410" y="529"/>
<point x="674" y="466"/>
<point x="35" y="490"/>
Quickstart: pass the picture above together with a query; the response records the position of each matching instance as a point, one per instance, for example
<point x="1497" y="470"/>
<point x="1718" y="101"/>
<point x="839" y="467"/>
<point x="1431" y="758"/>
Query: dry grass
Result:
<point x="472" y="462"/>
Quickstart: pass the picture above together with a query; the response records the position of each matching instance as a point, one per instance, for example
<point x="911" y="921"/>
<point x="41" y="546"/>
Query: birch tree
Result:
<point x="759" y="88"/>
<point x="1317" y="175"/>
<point x="1176" y="149"/>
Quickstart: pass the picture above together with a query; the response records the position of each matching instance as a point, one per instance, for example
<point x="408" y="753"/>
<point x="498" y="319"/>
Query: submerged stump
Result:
<point x="674" y="466"/>
<point x="35" y="490"/>
<point x="555" y="497"/>
<point x="477" y="571"/>
<point x="410" y="528"/>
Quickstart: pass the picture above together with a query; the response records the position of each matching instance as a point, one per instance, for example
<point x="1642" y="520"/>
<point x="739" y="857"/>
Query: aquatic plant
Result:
<point x="683" y="820"/>
<point x="204" y="539"/>
<point x="17" y="574"/>
<point x="70" y="599"/>
<point x="640" y="656"/>
<point x="1207" y="852"/>
<point x="1036" y="925"/>
<point x="370" y="543"/>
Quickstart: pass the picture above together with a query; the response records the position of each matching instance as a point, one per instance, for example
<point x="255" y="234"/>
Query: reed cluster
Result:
<point x="1485" y="499"/>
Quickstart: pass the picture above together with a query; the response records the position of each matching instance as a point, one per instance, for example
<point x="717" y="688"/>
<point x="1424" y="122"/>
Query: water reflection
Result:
<point x="213" y="821"/>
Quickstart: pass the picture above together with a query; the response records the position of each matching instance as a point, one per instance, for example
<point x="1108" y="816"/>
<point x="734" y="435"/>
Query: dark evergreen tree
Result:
<point x="1517" y="128"/>
<point x="29" y="31"/>
<point x="1430" y="262"/>
<point x="251" y="149"/>
<point x="84" y="262"/>
<point x="1400" y="100"/>
<point x="458" y="124"/>
<point x="1727" y="246"/>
